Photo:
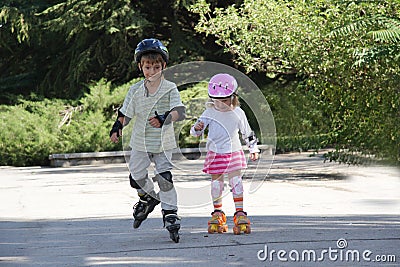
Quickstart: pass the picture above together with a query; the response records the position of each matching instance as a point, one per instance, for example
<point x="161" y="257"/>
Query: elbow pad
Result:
<point x="120" y="114"/>
<point x="181" y="112"/>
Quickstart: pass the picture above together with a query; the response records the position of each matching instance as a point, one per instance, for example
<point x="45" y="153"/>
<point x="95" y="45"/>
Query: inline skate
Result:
<point x="144" y="207"/>
<point x="217" y="223"/>
<point x="242" y="223"/>
<point x="173" y="223"/>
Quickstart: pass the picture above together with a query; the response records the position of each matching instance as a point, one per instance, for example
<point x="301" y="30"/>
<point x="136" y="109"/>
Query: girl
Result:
<point x="224" y="119"/>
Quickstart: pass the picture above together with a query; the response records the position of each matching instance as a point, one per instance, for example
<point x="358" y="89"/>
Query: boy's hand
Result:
<point x="116" y="131"/>
<point x="199" y="126"/>
<point x="154" y="122"/>
<point x="162" y="119"/>
<point x="254" y="156"/>
<point x="114" y="137"/>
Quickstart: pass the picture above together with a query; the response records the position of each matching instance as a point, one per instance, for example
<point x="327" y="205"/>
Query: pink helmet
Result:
<point x="222" y="85"/>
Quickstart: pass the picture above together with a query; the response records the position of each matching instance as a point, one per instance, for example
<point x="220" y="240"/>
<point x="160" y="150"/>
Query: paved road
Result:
<point x="304" y="212"/>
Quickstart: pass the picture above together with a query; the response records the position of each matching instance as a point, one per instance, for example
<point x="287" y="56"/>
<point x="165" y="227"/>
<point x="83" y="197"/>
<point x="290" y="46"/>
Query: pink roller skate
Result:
<point x="242" y="223"/>
<point x="217" y="223"/>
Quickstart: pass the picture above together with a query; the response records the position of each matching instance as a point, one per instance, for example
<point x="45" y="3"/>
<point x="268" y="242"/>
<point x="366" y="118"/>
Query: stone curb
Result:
<point x="110" y="157"/>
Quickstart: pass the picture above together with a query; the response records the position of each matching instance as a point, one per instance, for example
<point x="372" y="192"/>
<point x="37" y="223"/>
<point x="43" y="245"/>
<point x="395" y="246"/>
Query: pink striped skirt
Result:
<point x="224" y="163"/>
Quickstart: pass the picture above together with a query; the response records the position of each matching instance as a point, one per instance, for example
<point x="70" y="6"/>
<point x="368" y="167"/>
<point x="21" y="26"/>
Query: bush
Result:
<point x="29" y="132"/>
<point x="194" y="98"/>
<point x="299" y="117"/>
<point x="86" y="128"/>
<point x="32" y="130"/>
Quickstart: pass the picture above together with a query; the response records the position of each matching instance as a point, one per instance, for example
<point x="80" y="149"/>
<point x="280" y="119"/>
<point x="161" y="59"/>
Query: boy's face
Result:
<point x="151" y="68"/>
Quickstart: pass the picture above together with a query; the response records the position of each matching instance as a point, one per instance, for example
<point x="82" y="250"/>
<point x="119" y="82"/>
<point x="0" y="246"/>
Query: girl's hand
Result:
<point x="254" y="156"/>
<point x="199" y="126"/>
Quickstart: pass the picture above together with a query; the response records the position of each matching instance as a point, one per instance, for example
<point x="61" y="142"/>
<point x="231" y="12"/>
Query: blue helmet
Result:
<point x="150" y="45"/>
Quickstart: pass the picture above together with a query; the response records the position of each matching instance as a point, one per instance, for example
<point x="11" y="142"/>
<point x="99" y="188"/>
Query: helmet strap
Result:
<point x="148" y="81"/>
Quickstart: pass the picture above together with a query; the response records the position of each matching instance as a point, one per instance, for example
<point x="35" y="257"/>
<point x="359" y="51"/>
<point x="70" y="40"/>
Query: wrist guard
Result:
<point x="164" y="118"/>
<point x="116" y="127"/>
<point x="251" y="142"/>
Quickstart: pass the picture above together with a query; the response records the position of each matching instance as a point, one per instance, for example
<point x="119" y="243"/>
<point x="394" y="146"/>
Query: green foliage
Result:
<point x="87" y="126"/>
<point x="335" y="67"/>
<point x="96" y="35"/>
<point x="29" y="132"/>
<point x="194" y="98"/>
<point x="263" y="35"/>
<point x="32" y="130"/>
<point x="54" y="48"/>
<point x="299" y="117"/>
<point x="35" y="129"/>
<point x="65" y="44"/>
<point x="345" y="52"/>
<point x="379" y="27"/>
<point x="384" y="31"/>
<point x="17" y="23"/>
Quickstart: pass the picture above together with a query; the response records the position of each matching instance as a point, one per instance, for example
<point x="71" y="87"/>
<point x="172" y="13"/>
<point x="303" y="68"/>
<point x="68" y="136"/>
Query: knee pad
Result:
<point x="236" y="185"/>
<point x="137" y="184"/>
<point x="164" y="180"/>
<point x="217" y="187"/>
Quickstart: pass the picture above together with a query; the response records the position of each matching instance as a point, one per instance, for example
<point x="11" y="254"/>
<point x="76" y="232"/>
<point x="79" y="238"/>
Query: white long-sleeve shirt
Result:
<point x="223" y="130"/>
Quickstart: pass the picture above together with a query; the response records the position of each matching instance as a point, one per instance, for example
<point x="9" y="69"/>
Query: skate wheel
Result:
<point x="136" y="223"/>
<point x="222" y="229"/>
<point x="236" y="230"/>
<point x="248" y="229"/>
<point x="212" y="228"/>
<point x="175" y="237"/>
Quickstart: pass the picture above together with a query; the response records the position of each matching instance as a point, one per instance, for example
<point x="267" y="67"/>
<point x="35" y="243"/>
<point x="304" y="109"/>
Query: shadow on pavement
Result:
<point x="113" y="242"/>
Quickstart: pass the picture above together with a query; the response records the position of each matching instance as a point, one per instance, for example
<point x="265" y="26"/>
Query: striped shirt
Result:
<point x="142" y="106"/>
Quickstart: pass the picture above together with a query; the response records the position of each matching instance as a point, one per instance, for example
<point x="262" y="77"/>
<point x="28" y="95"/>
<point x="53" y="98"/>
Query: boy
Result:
<point x="155" y="102"/>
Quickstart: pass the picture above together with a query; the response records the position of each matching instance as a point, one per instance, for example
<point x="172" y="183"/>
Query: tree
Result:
<point x="56" y="48"/>
<point x="65" y="44"/>
<point x="360" y="101"/>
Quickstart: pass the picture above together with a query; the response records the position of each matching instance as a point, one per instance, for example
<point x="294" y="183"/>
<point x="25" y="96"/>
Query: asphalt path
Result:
<point x="304" y="212"/>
